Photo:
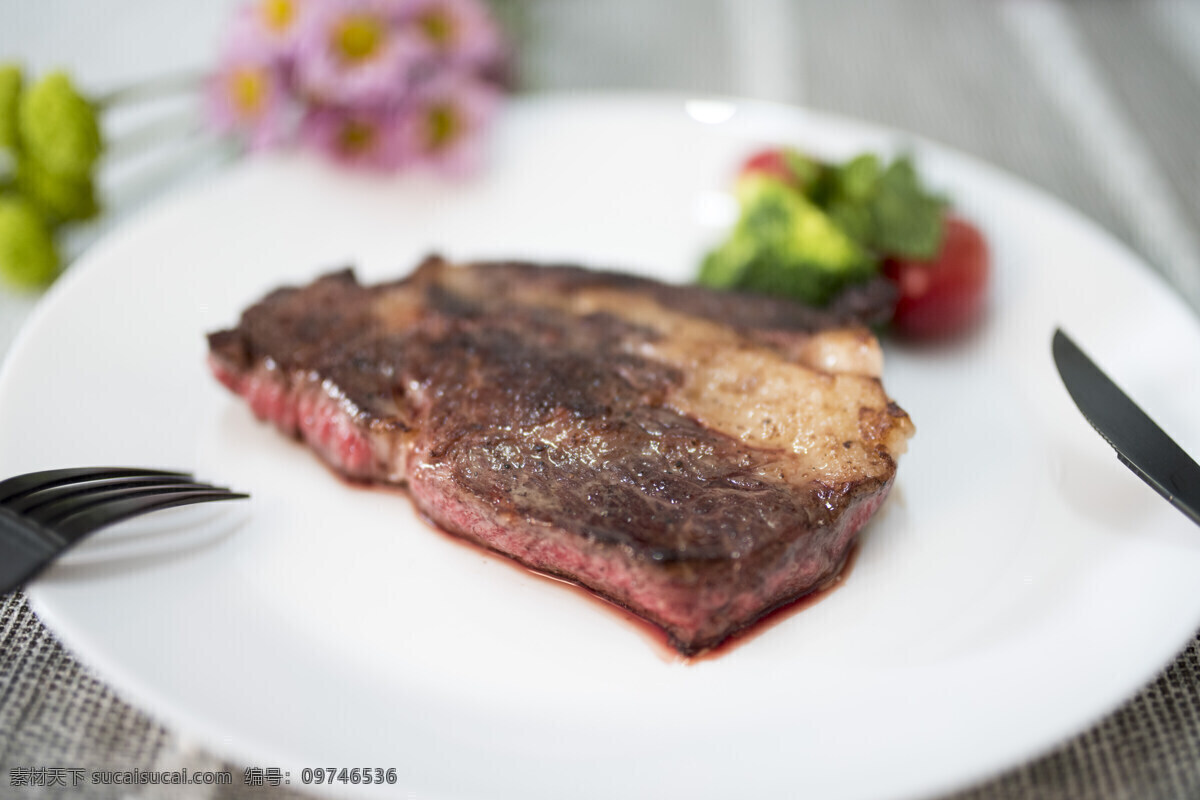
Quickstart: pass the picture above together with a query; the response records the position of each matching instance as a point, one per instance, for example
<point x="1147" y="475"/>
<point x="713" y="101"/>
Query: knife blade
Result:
<point x="1140" y="444"/>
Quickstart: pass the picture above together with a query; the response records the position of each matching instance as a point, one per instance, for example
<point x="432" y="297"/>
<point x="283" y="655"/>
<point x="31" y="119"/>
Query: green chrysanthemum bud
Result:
<point x="10" y="93"/>
<point x="57" y="198"/>
<point x="28" y="257"/>
<point x="58" y="127"/>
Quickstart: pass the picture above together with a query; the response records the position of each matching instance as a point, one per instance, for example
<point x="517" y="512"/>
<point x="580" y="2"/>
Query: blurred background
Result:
<point x="1097" y="103"/>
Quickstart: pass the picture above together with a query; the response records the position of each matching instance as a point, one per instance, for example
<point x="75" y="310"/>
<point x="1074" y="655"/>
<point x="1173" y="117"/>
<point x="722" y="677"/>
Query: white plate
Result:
<point x="1018" y="584"/>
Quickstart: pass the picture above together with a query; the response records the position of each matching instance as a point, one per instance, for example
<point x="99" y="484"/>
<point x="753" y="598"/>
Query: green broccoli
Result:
<point x="885" y="208"/>
<point x="784" y="244"/>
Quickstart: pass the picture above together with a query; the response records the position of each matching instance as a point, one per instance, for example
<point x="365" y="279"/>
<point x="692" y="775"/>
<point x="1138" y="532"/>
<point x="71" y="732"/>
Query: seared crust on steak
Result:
<point x="699" y="457"/>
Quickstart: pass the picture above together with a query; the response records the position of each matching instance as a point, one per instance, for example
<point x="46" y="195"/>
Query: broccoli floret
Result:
<point x="784" y="244"/>
<point x="884" y="207"/>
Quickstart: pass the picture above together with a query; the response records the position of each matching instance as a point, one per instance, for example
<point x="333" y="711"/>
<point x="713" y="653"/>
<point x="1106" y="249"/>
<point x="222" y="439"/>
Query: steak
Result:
<point x="698" y="457"/>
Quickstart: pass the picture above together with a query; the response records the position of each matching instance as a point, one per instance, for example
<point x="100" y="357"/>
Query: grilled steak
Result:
<point x="698" y="457"/>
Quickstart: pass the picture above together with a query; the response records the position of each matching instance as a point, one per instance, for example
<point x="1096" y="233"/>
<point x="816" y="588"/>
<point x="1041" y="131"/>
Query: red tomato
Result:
<point x="945" y="295"/>
<point x="769" y="162"/>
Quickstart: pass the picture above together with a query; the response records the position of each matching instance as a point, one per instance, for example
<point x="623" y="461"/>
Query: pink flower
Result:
<point x="246" y="96"/>
<point x="356" y="51"/>
<point x="383" y="84"/>
<point x="270" y="28"/>
<point x="445" y="127"/>
<point x="461" y="31"/>
<point x="361" y="137"/>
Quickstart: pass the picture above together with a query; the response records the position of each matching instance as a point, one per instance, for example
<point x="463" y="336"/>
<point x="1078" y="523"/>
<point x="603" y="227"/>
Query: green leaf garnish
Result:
<point x="907" y="219"/>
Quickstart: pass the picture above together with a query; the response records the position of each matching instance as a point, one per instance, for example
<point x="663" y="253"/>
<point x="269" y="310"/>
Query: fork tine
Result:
<point x="85" y="522"/>
<point x="33" y="481"/>
<point x="30" y="501"/>
<point x="71" y="503"/>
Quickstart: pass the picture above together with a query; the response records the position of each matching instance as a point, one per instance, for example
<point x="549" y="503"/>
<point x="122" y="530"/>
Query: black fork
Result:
<point x="42" y="514"/>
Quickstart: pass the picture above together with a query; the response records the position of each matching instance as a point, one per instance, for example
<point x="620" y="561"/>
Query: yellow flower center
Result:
<point x="358" y="37"/>
<point x="439" y="27"/>
<point x="443" y="126"/>
<point x="278" y="14"/>
<point x="356" y="137"/>
<point x="248" y="90"/>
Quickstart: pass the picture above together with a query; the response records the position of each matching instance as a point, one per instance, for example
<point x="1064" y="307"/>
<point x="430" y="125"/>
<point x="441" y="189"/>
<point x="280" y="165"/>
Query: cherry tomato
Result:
<point x="771" y="162"/>
<point x="946" y="294"/>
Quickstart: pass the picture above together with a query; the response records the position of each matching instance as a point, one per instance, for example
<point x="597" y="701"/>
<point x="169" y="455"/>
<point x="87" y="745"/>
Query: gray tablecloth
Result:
<point x="1097" y="103"/>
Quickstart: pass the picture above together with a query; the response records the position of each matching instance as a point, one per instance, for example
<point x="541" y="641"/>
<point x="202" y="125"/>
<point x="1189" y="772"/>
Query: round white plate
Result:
<point x="1018" y="584"/>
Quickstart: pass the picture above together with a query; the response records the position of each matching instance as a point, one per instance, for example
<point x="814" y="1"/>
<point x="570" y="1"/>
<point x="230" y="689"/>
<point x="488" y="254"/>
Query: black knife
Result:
<point x="1140" y="444"/>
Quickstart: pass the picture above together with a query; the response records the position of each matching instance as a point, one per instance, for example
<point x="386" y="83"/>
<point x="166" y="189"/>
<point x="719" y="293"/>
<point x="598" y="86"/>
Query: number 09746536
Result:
<point x="320" y="775"/>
